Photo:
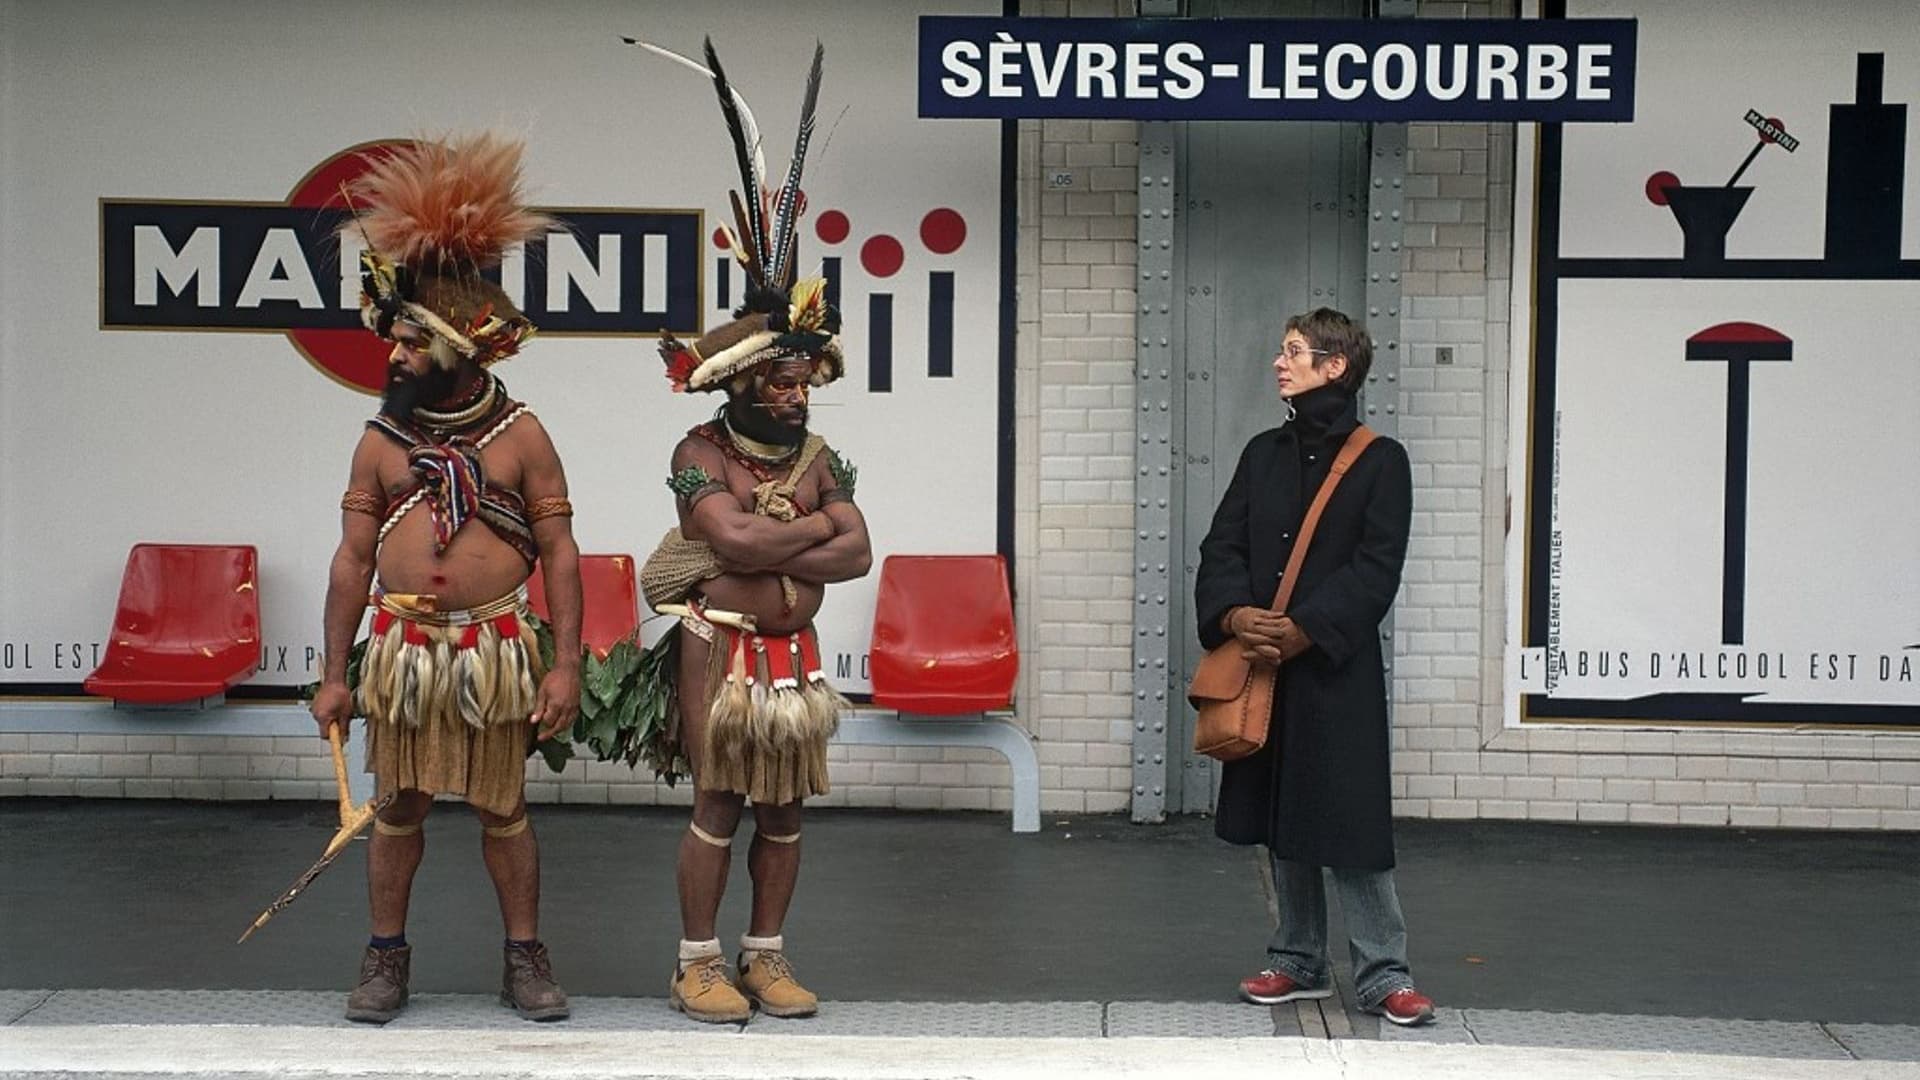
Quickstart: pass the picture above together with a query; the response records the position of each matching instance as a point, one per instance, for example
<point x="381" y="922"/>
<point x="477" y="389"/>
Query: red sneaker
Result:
<point x="1408" y="1008"/>
<point x="1271" y="987"/>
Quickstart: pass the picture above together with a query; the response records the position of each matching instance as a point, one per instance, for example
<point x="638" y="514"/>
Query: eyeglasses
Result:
<point x="1296" y="350"/>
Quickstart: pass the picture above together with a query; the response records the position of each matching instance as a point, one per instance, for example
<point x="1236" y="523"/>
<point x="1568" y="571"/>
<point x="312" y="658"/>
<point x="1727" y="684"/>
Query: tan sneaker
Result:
<point x="382" y="991"/>
<point x="770" y="982"/>
<point x="702" y="990"/>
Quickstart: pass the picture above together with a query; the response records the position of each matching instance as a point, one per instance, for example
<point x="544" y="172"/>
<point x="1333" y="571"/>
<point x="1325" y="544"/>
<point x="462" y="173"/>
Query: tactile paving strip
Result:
<point x="17" y="1003"/>
<point x="1449" y="1026"/>
<point x="323" y="1008"/>
<point x="1673" y="1034"/>
<point x="1052" y="1019"/>
<point x="301" y="1008"/>
<point x="944" y="1019"/>
<point x="1879" y="1042"/>
<point x="1177" y="1019"/>
<point x="484" y="1012"/>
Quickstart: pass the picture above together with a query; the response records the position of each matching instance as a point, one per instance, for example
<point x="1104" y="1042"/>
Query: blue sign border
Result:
<point x="1239" y="69"/>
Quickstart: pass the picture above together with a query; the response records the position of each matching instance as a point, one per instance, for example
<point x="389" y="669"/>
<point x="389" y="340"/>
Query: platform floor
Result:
<point x="1781" y="945"/>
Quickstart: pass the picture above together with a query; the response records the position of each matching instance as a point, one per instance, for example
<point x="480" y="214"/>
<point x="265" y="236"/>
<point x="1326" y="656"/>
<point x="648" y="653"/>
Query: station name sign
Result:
<point x="1372" y="70"/>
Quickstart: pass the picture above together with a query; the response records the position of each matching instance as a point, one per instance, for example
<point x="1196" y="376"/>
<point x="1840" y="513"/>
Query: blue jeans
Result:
<point x="1376" y="931"/>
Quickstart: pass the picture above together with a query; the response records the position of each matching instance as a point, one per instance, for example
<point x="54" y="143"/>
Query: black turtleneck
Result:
<point x="1322" y="419"/>
<point x="1319" y="411"/>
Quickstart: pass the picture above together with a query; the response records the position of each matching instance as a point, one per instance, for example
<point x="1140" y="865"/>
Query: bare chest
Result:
<point x="742" y="481"/>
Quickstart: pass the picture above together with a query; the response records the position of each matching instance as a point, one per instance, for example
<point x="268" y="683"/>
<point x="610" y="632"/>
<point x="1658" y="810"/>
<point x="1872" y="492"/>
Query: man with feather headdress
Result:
<point x="455" y="490"/>
<point x="766" y="521"/>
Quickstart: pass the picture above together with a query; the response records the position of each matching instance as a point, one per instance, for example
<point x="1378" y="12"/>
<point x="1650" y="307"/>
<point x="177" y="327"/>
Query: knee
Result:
<point x="404" y="815"/>
<point x="719" y="810"/>
<point x="502" y="826"/>
<point x="716" y="816"/>
<point x="777" y="824"/>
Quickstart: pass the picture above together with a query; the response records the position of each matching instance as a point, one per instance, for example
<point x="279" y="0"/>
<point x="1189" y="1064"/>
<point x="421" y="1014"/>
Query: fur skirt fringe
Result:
<point x="448" y="702"/>
<point x="771" y="715"/>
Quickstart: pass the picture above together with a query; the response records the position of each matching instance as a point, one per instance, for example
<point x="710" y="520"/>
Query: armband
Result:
<point x="362" y="502"/>
<point x="688" y="480"/>
<point x="549" y="506"/>
<point x="844" y="474"/>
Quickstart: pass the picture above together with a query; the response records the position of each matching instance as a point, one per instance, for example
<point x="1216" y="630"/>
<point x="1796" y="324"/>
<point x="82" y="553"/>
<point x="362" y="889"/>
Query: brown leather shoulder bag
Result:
<point x="1233" y="695"/>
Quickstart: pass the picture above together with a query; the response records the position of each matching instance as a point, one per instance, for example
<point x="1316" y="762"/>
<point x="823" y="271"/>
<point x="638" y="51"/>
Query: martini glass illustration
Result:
<point x="1705" y="212"/>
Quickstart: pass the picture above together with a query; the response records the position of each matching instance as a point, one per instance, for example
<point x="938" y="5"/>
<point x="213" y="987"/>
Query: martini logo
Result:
<point x="284" y="267"/>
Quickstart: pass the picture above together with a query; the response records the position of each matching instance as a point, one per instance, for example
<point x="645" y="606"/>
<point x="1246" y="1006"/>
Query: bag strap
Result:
<point x="1349" y="452"/>
<point x="808" y="451"/>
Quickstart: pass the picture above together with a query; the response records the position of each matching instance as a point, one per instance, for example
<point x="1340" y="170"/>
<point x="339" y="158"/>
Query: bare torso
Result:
<point x="761" y="594"/>
<point x="477" y="565"/>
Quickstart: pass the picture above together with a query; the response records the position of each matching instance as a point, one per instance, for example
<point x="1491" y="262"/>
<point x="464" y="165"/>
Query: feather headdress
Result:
<point x="435" y="214"/>
<point x="783" y="315"/>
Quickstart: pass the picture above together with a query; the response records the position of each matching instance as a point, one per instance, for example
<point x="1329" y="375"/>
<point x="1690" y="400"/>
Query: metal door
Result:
<point x="1270" y="221"/>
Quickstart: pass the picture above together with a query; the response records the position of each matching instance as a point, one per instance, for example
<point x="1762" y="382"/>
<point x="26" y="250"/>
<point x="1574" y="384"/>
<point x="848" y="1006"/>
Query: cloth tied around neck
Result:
<point x="451" y="476"/>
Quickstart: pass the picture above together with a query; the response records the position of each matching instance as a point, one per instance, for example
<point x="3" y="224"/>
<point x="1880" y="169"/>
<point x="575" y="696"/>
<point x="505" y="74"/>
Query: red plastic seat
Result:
<point x="943" y="639"/>
<point x="609" y="595"/>
<point x="187" y="625"/>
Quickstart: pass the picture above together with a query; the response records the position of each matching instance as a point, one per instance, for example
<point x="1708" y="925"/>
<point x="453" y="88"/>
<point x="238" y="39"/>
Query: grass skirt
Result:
<point x="448" y="696"/>
<point x="771" y="713"/>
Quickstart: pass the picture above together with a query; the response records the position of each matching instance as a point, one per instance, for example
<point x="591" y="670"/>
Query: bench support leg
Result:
<point x="987" y="732"/>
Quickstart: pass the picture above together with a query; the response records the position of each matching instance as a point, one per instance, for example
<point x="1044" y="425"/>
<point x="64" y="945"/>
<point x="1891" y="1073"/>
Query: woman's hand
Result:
<point x="1266" y="636"/>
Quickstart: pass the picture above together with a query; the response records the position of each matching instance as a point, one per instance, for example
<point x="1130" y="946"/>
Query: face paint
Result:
<point x="774" y="408"/>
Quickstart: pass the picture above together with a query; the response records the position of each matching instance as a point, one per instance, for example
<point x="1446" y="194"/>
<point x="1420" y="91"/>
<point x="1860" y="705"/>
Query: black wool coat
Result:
<point x="1318" y="792"/>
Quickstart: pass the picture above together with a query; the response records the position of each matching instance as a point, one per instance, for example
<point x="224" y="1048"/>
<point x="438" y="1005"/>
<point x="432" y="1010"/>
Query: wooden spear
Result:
<point x="353" y="822"/>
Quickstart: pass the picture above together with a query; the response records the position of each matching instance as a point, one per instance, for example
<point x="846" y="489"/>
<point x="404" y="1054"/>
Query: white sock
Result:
<point x="751" y="947"/>
<point x="697" y="950"/>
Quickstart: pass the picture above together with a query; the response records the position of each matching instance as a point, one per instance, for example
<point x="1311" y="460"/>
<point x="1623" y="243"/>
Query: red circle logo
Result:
<point x="353" y="358"/>
<point x="943" y="231"/>
<point x="832" y="227"/>
<point x="882" y="256"/>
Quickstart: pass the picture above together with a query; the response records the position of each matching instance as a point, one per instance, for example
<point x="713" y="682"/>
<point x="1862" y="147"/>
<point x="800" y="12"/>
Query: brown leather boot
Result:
<point x="527" y="984"/>
<point x="382" y="992"/>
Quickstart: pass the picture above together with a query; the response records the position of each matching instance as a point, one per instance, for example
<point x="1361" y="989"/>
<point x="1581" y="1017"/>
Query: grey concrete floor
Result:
<point x="952" y="907"/>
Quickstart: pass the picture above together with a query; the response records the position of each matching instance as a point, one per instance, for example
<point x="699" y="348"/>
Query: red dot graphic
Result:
<point x="1657" y="186"/>
<point x="882" y="256"/>
<point x="720" y="239"/>
<point x="1778" y="125"/>
<point x="832" y="227"/>
<point x="943" y="231"/>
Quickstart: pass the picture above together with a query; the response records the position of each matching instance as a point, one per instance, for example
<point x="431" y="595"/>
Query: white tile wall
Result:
<point x="1073" y="520"/>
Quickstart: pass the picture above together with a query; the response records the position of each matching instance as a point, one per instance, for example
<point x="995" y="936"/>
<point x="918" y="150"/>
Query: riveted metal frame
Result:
<point x="1154" y="392"/>
<point x="1386" y="205"/>
<point x="1153" y="508"/>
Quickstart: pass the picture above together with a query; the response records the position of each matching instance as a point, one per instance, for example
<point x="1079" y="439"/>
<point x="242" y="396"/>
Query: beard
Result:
<point x="749" y="418"/>
<point x="406" y="391"/>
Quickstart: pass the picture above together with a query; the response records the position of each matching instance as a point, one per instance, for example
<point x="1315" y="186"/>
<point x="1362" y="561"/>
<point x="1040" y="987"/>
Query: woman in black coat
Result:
<point x="1317" y="794"/>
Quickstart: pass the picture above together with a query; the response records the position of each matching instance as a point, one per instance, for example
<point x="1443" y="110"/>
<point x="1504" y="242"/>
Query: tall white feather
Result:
<point x="751" y="125"/>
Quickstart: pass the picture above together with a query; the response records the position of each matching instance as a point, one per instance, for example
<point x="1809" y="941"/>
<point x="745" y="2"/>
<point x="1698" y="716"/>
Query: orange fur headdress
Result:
<point x="436" y="213"/>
